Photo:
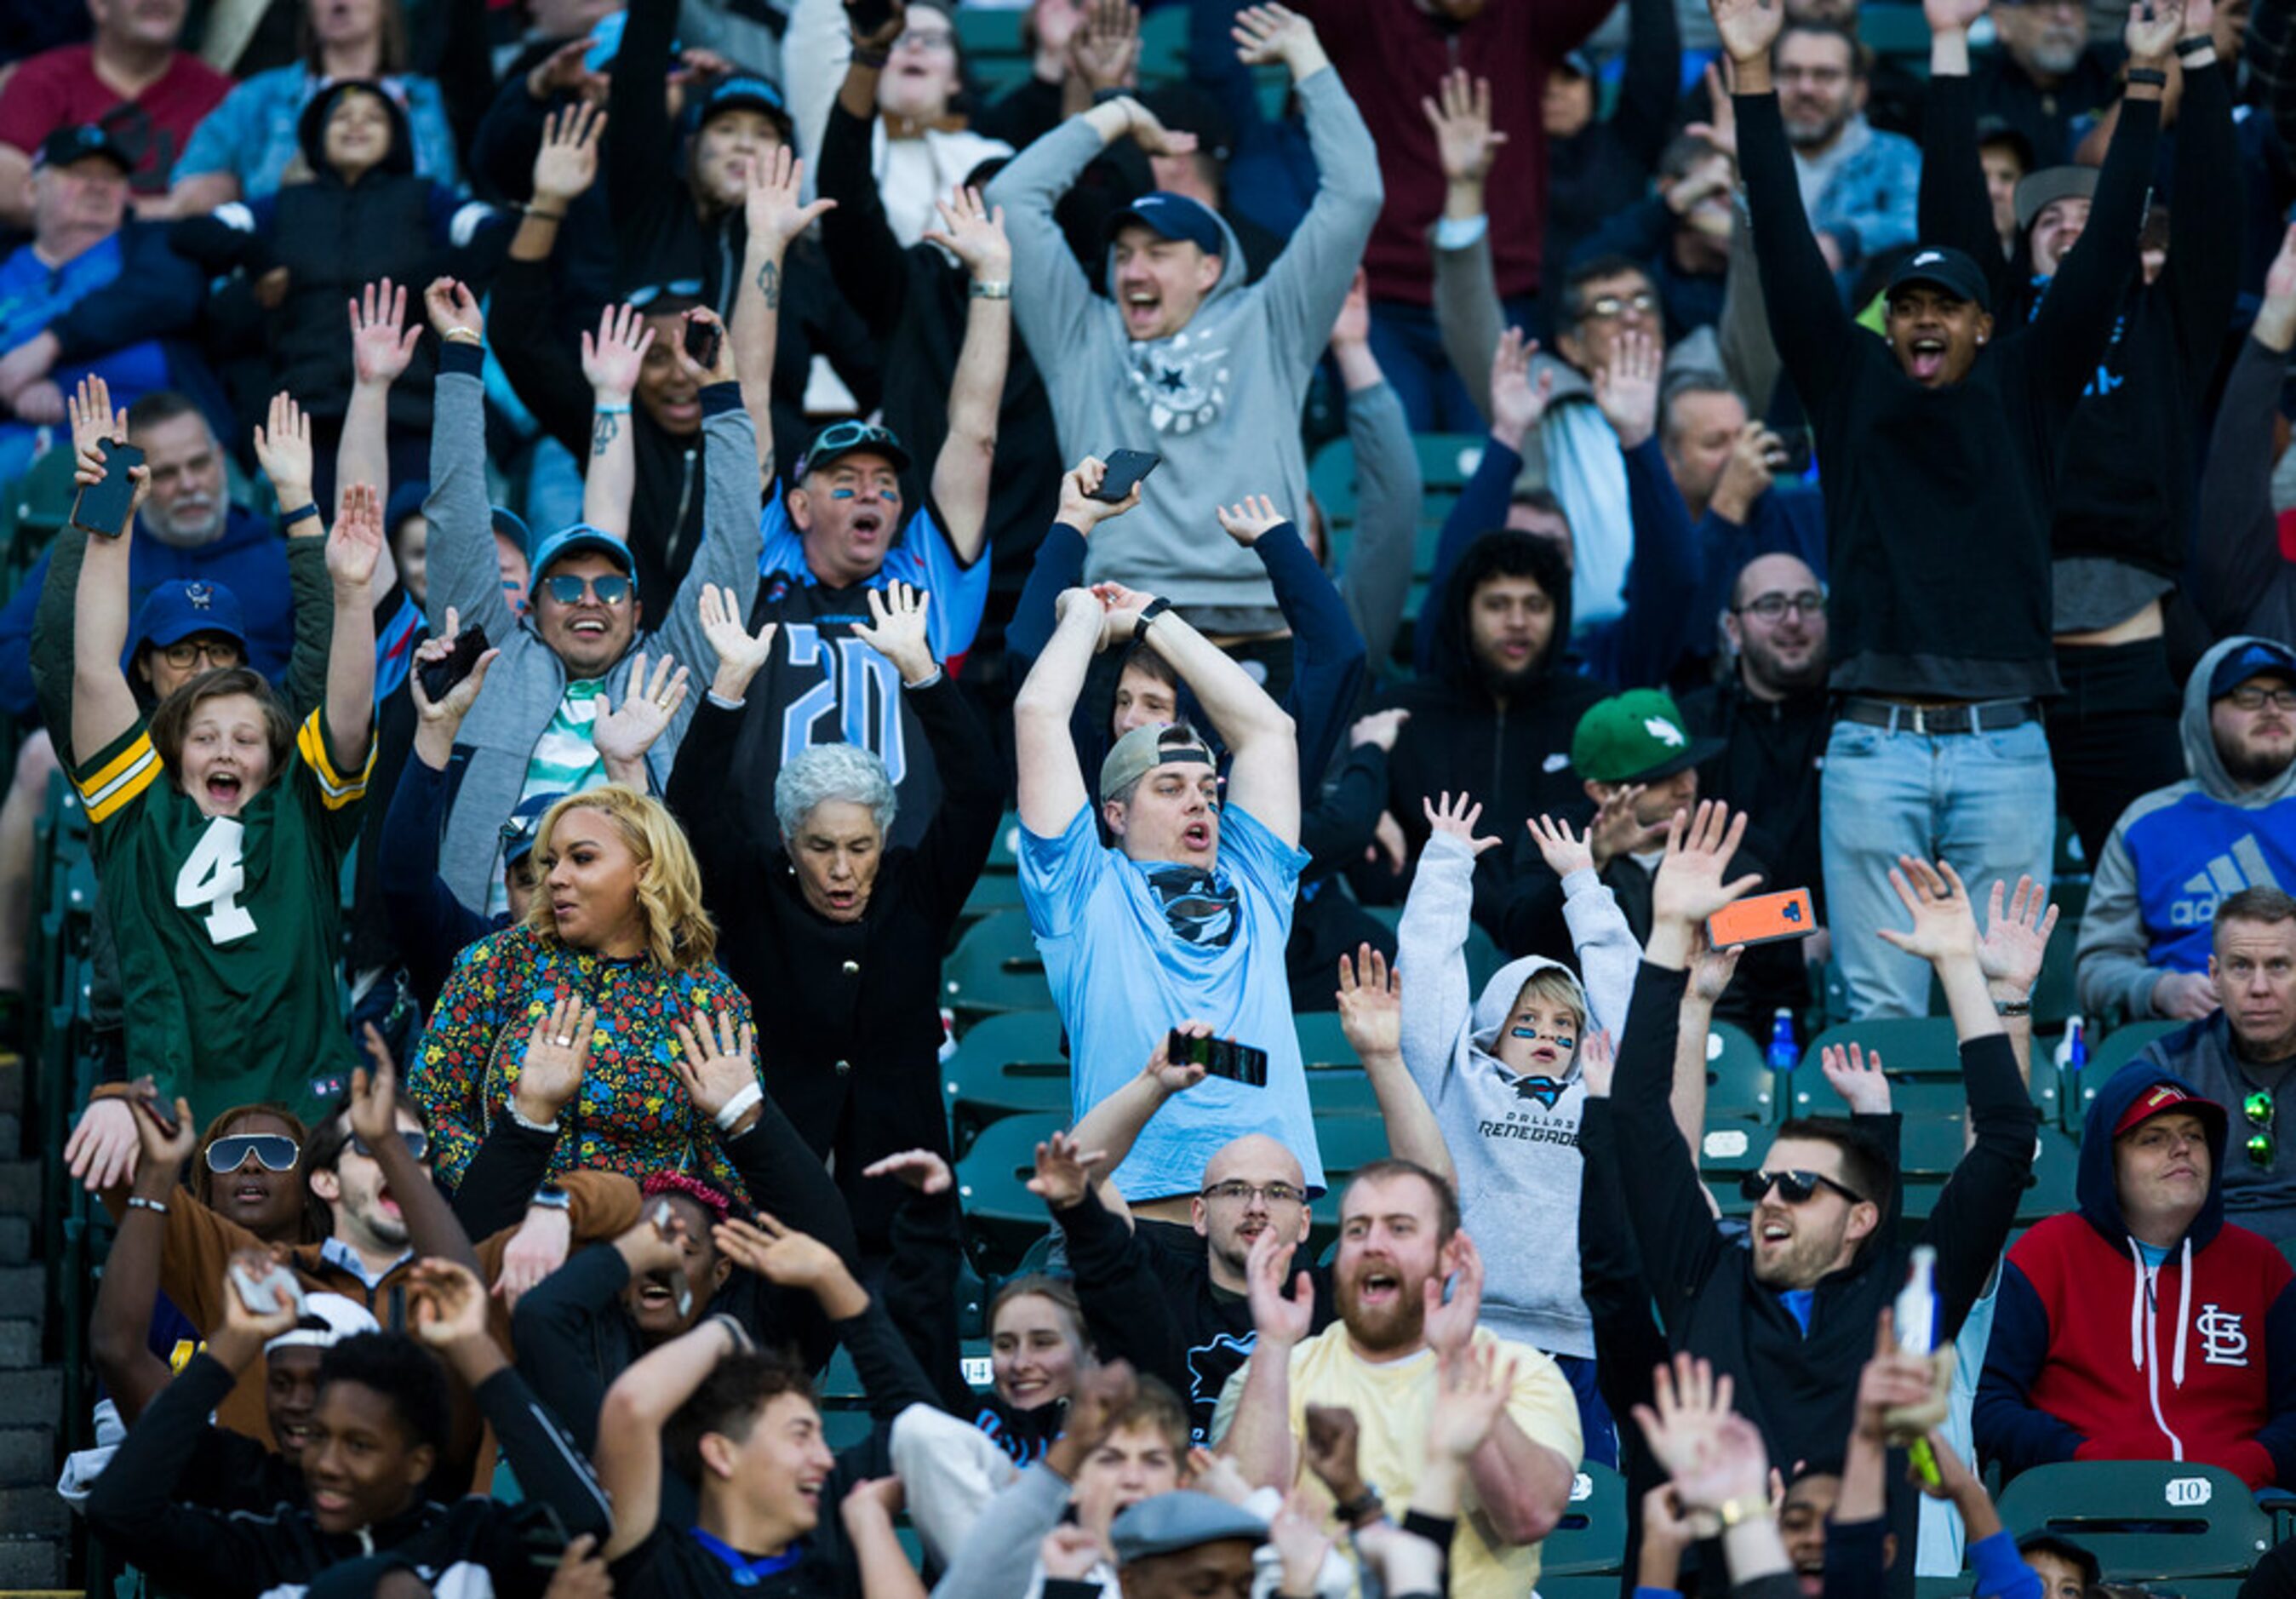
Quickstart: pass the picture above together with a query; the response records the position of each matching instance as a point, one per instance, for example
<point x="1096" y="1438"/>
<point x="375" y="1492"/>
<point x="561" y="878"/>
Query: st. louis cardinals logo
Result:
<point x="2223" y="1341"/>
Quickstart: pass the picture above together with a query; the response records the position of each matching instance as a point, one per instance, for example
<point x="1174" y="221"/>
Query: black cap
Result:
<point x="1942" y="267"/>
<point x="66" y="145"/>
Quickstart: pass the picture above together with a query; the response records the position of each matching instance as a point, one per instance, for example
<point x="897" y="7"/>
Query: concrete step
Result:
<point x="34" y="1512"/>
<point x="20" y="1349"/>
<point x="12" y="1133"/>
<point x="31" y="1564"/>
<point x="32" y="1398"/>
<point x="27" y="1454"/>
<point x="15" y="1241"/>
<point x="19" y="1187"/>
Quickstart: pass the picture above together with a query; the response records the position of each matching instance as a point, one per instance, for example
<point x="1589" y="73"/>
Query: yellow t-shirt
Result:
<point x="1393" y="1402"/>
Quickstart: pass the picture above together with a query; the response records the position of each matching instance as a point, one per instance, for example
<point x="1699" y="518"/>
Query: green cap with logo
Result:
<point x="1636" y="737"/>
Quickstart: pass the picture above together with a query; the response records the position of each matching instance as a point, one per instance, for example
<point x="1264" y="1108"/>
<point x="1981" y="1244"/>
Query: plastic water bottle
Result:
<point x="1784" y="1053"/>
<point x="2072" y="1054"/>
<point x="1916" y="1327"/>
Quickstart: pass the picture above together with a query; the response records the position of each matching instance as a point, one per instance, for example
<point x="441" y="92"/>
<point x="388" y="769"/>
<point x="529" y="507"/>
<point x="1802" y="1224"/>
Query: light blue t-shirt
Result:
<point x="1122" y="979"/>
<point x="251" y="135"/>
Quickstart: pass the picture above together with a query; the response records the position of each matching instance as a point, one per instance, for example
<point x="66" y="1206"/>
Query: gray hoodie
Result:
<point x="1514" y="1141"/>
<point x="524" y="687"/>
<point x="2172" y="856"/>
<point x="1220" y="399"/>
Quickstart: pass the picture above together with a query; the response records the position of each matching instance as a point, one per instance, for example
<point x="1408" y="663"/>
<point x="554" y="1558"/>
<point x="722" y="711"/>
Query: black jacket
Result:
<point x="1606" y="166"/>
<point x="1769" y="769"/>
<point x="851" y="1051"/>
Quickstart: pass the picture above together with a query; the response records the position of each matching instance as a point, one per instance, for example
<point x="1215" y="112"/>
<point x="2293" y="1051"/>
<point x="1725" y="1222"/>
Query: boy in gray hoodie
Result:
<point x="1505" y="1080"/>
<point x="1187" y="360"/>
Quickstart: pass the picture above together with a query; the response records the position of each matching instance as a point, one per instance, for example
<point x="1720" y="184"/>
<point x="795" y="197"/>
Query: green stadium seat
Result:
<point x="1591" y="1539"/>
<point x="996" y="967"/>
<point x="1002" y="1217"/>
<point x="1005" y="1065"/>
<point x="1005" y="849"/>
<point x="1347" y="1144"/>
<point x="2145" y="1521"/>
<point x="1323" y="1043"/>
<point x="992" y="892"/>
<point x="37" y="506"/>
<point x="1739" y="1086"/>
<point x="2106" y="1056"/>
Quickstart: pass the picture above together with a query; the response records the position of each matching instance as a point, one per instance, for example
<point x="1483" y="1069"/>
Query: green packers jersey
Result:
<point x="229" y="928"/>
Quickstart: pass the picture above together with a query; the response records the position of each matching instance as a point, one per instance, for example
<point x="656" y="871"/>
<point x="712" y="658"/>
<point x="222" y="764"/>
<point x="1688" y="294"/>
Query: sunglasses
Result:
<point x="276" y="1150"/>
<point x="2261" y="1147"/>
<point x="845" y="436"/>
<point x="1792" y="1186"/>
<point x="418" y="1144"/>
<point x="611" y="588"/>
<point x="685" y="288"/>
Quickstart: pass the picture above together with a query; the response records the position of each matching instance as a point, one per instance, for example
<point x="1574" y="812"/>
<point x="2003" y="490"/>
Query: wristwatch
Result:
<point x="549" y="1196"/>
<point x="1748" y="1508"/>
<point x="1364" y="1506"/>
<point x="1148" y="613"/>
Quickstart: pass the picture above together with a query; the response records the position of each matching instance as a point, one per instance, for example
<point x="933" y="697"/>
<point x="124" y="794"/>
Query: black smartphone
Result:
<point x="102" y="508"/>
<point x="1221" y="1057"/>
<point x="162" y="1112"/>
<point x="701" y="341"/>
<point x="1800" y="449"/>
<point x="866" y="17"/>
<point x="1125" y="469"/>
<point x="439" y="676"/>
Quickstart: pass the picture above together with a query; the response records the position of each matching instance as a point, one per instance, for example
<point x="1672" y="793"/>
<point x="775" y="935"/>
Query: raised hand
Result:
<point x="1079" y="508"/>
<point x="538" y="1248"/>
<point x="581" y="1572"/>
<point x="1517" y="401"/>
<point x="1471" y="1390"/>
<point x="1121" y="610"/>
<point x="1105" y="51"/>
<point x="1952" y="16"/>
<point x="1301" y="1542"/>
<point x="1747" y="28"/>
<point x="1176" y="1076"/>
<point x="1689" y="1403"/>
<point x="1747" y="473"/>
<point x="160" y="1149"/>
<point x="567" y="163"/>
<point x="1944" y="927"/>
<point x="720" y="369"/>
<point x="739" y="655"/>
<point x="566" y="71"/>
<point x="715" y="1059"/>
<point x="1276" y="33"/>
<point x="1711" y="969"/>
<point x="1598" y="1063"/>
<point x="283" y="449"/>
<point x="1064" y="1170"/>
<point x="781" y="1255"/>
<point x="382" y="344"/>
<point x="1353" y="325"/>
<point x="450" y="710"/>
<point x="446" y="1302"/>
<point x="1689" y="886"/>
<point x="1626" y="386"/>
<point x="557" y="1057"/>
<point x="1371" y="1008"/>
<point x="1280" y="1322"/>
<point x="355" y="543"/>
<point x="92" y="420"/>
<point x="1858" y="1077"/>
<point x="250" y="1330"/>
<point x="1722" y="132"/>
<point x="623" y="736"/>
<point x="1380" y="728"/>
<point x="104" y="1144"/>
<point x="2016" y="944"/>
<point x="611" y="358"/>
<point x="453" y="309"/>
<point x="1457" y="818"/>
<point x="884" y="37"/>
<point x="1460" y="113"/>
<point x="2154" y="29"/>
<point x="974" y="234"/>
<point x="1563" y="851"/>
<point x="1247" y="520"/>
<point x="1068" y="1554"/>
<point x="896" y="630"/>
<point x="1617" y="830"/>
<point x="920" y="1169"/>
<point x="1328" y="1444"/>
<point x="1451" y="1323"/>
<point x="775" y="212"/>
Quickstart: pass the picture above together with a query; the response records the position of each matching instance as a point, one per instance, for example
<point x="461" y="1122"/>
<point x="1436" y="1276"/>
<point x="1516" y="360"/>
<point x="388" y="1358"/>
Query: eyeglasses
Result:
<point x="1603" y="308"/>
<point x="2248" y="697"/>
<point x="1771" y="607"/>
<point x="611" y="588"/>
<point x="1237" y="1191"/>
<point x="926" y="38"/>
<point x="220" y="652"/>
<point x="1792" y="1186"/>
<point x="2261" y="1147"/>
<point x="418" y="1144"/>
<point x="689" y="287"/>
<point x="276" y="1150"/>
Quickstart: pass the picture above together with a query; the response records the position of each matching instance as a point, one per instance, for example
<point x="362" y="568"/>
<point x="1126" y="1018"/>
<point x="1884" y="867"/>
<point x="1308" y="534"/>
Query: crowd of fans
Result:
<point x="631" y="509"/>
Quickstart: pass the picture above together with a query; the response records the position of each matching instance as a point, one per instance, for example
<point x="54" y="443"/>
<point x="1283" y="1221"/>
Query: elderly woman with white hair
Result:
<point x="836" y="937"/>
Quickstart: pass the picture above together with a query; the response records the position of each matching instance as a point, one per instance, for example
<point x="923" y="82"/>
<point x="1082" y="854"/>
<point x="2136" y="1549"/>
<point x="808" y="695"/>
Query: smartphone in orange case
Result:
<point x="1763" y="919"/>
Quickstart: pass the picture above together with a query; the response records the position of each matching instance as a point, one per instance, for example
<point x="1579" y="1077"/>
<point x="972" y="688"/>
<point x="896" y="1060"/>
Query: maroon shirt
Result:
<point x="59" y="88"/>
<point x="1391" y="54"/>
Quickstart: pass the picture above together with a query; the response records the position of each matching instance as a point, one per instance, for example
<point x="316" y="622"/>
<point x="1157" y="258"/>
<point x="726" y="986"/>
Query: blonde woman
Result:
<point x="602" y="1018"/>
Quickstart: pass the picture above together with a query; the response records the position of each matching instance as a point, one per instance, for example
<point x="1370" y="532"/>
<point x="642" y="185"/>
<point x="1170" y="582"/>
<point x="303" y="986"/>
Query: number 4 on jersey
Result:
<point x="212" y="876"/>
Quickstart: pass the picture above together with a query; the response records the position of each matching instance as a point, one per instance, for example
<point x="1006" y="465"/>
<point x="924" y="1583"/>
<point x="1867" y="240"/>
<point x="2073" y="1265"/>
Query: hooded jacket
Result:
<point x="2200" y="1367"/>
<point x="1513" y="1140"/>
<point x="2173" y="854"/>
<point x="1220" y="399"/>
<point x="2203" y="1053"/>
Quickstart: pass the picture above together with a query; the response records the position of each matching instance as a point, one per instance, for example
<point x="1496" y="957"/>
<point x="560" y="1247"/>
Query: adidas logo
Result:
<point x="2243" y="866"/>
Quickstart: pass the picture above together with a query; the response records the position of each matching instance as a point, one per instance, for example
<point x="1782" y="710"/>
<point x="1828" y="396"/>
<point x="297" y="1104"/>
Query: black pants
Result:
<point x="2114" y="734"/>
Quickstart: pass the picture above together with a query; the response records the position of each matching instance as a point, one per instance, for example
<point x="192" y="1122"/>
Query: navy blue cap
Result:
<point x="66" y="145"/>
<point x="518" y="833"/>
<point x="572" y="540"/>
<point x="1175" y="217"/>
<point x="182" y="607"/>
<point x="747" y="91"/>
<point x="1942" y="267"/>
<point x="2252" y="659"/>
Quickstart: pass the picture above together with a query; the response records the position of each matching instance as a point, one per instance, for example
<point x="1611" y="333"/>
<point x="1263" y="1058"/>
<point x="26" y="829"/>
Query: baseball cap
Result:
<point x="842" y="439"/>
<point x="1636" y="737"/>
<point x="1185" y="108"/>
<point x="2252" y="658"/>
<point x="2163" y="1097"/>
<point x="572" y="540"/>
<point x="327" y="1320"/>
<point x="1942" y="267"/>
<point x="66" y="145"/>
<point x="2037" y="191"/>
<point x="525" y="822"/>
<point x="1145" y="749"/>
<point x="1182" y="1518"/>
<point x="1175" y="217"/>
<point x="181" y="607"/>
<point x="747" y="91"/>
<point x="1579" y="63"/>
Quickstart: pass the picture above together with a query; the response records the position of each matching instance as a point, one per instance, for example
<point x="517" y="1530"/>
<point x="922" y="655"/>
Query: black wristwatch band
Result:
<point x="1148" y="613"/>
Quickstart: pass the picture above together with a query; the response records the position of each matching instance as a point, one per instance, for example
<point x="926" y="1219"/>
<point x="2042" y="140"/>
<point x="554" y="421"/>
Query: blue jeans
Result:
<point x="1987" y="802"/>
<point x="1409" y="349"/>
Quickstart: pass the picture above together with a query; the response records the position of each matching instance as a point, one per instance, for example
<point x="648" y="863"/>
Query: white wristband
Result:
<point x="511" y="1105"/>
<point x="739" y="1105"/>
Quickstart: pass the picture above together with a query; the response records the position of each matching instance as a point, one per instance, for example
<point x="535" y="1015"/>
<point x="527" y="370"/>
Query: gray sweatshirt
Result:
<point x="1514" y="1141"/>
<point x="524" y="687"/>
<point x="1220" y="399"/>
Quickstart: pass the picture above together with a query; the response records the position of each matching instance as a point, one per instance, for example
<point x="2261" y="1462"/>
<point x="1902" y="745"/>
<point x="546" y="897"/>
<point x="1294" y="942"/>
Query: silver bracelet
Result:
<point x="997" y="289"/>
<point x="136" y="1202"/>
